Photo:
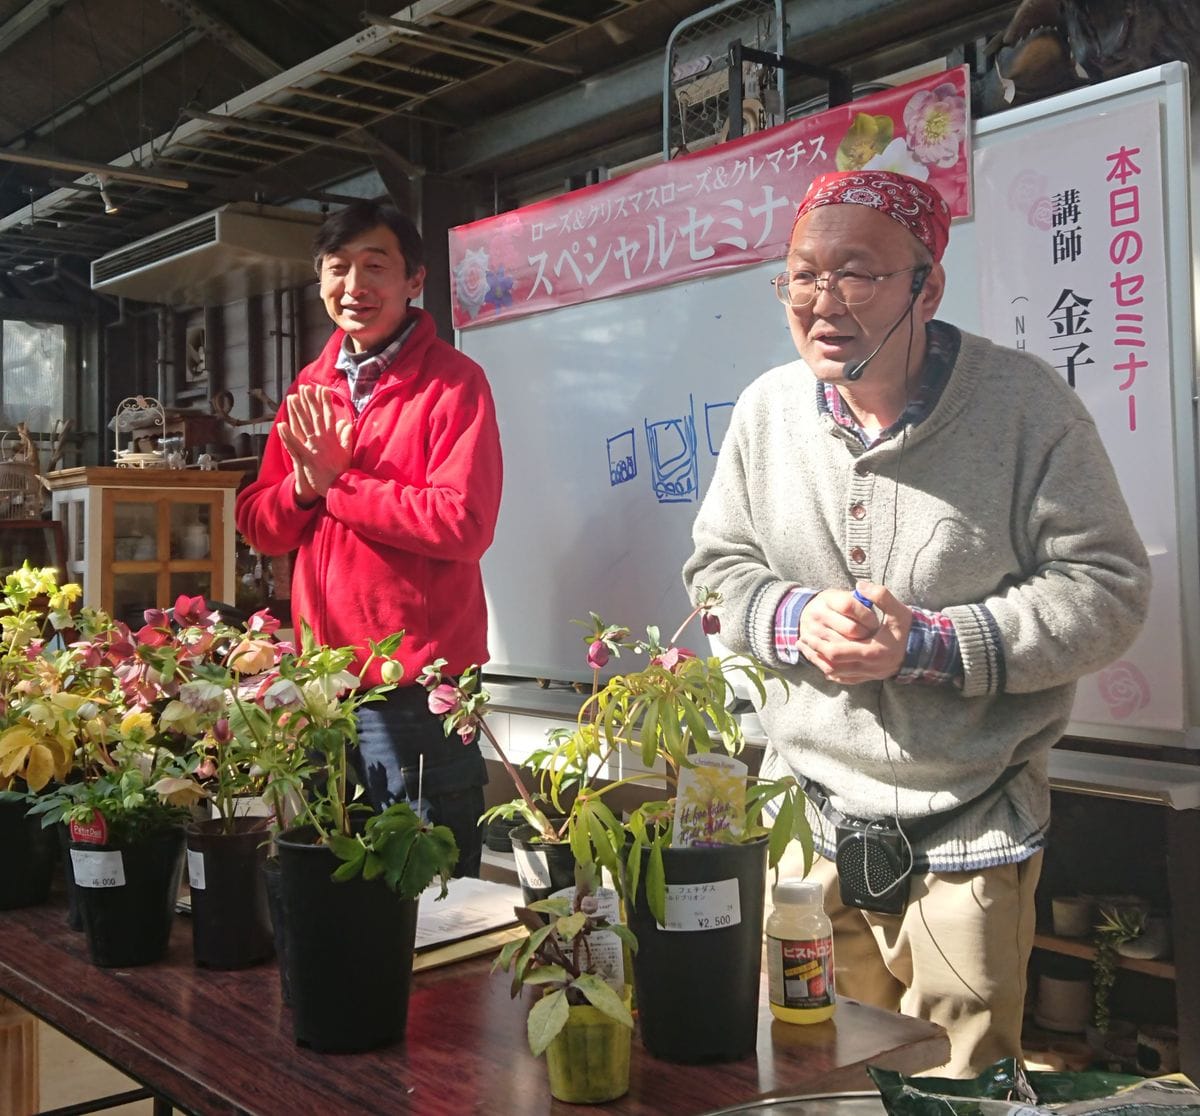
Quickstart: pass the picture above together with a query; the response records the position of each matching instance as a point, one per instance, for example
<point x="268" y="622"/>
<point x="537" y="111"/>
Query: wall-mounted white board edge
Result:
<point x="611" y="414"/>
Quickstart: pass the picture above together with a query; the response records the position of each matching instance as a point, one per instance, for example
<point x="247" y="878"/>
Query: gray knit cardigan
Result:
<point x="1000" y="510"/>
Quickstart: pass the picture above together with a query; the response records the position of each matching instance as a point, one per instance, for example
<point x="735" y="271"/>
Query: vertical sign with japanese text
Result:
<point x="1072" y="227"/>
<point x="727" y="206"/>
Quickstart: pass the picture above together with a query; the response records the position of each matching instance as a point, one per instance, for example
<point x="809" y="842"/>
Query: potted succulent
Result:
<point x="691" y="867"/>
<point x="1117" y="925"/>
<point x="350" y="879"/>
<point x="573" y="953"/>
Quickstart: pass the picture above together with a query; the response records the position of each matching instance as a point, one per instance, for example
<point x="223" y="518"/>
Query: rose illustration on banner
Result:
<point x="897" y="157"/>
<point x="936" y="123"/>
<point x="1124" y="689"/>
<point x="1026" y="189"/>
<point x="1041" y="213"/>
<point x="866" y="137"/>
<point x="471" y="280"/>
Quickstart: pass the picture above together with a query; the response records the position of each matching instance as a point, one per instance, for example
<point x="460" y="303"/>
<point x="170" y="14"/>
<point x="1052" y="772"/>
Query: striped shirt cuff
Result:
<point x="787" y="625"/>
<point x="932" y="657"/>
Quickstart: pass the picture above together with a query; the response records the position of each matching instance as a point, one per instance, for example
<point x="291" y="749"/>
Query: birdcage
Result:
<point x="134" y="416"/>
<point x="22" y="494"/>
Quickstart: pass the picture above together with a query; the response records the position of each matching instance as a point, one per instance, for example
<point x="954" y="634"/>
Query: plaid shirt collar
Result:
<point x="942" y="342"/>
<point x="363" y="370"/>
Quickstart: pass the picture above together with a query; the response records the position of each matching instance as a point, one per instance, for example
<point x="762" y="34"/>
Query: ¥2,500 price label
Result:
<point x="707" y="906"/>
<point x="98" y="869"/>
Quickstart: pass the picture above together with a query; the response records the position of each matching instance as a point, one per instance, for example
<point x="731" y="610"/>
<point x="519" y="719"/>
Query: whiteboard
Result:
<point x="611" y="414"/>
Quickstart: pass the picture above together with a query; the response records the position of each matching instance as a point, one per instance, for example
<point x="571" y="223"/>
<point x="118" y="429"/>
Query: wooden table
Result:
<point x="221" y="1042"/>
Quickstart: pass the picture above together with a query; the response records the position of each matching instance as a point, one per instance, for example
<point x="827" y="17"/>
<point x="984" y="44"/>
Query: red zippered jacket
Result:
<point x="397" y="540"/>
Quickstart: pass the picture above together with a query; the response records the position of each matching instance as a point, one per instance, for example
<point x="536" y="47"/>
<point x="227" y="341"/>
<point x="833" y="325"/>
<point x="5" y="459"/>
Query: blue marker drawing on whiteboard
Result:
<point x="674" y="471"/>
<point x="622" y="458"/>
<point x="716" y="422"/>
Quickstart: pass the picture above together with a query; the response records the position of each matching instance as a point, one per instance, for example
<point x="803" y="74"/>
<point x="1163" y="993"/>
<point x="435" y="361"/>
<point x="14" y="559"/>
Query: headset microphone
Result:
<point x="854" y="370"/>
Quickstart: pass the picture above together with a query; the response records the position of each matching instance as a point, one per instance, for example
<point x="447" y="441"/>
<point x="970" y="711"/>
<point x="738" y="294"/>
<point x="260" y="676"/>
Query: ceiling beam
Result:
<point x="83" y="166"/>
<point x="102" y="90"/>
<point x="223" y="32"/>
<point x="17" y="26"/>
<point x="849" y="28"/>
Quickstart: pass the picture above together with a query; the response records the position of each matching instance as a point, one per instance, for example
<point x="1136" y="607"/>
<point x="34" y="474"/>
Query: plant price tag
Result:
<point x="607" y="956"/>
<point x="703" y="906"/>
<point x="533" y="868"/>
<point x="98" y="869"/>
<point x="195" y="863"/>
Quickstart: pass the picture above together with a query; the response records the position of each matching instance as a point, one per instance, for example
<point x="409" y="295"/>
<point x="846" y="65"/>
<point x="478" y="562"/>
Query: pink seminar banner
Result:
<point x="727" y="206"/>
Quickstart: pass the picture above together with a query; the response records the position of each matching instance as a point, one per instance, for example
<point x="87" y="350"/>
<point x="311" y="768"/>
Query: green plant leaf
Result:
<point x="603" y="998"/>
<point x="781" y="833"/>
<point x="649" y="734"/>
<point x="547" y="1018"/>
<point x="627" y="936"/>
<point x="571" y="925"/>
<point x="656" y="884"/>
<point x="696" y="724"/>
<point x="546" y="974"/>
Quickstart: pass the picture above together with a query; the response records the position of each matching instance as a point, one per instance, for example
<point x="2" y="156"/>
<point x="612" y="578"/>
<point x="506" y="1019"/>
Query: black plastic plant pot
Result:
<point x="74" y="915"/>
<point x="127" y="897"/>
<point x="273" y="882"/>
<point x="543" y="867"/>
<point x="327" y="922"/>
<point x="697" y="986"/>
<point x="26" y="857"/>
<point x="231" y="919"/>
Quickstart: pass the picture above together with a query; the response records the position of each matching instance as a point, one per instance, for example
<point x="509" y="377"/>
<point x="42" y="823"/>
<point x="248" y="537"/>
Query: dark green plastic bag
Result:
<point x="1005" y="1089"/>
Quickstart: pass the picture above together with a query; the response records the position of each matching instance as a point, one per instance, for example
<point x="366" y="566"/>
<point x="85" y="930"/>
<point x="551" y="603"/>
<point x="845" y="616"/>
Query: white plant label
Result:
<point x="608" y="959"/>
<point x="533" y="868"/>
<point x="195" y="863"/>
<point x="98" y="869"/>
<point x="704" y="906"/>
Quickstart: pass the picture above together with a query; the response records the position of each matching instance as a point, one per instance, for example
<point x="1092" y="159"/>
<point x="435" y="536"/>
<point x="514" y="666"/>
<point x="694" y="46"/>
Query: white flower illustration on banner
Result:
<point x="1124" y="689"/>
<point x="897" y="157"/>
<point x="471" y="280"/>
<point x="936" y="123"/>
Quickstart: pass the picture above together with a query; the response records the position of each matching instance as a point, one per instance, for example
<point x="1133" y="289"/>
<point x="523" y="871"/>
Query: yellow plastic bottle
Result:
<point x="799" y="954"/>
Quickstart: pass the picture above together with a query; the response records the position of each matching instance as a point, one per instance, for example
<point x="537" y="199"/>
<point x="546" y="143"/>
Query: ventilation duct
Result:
<point x="236" y="251"/>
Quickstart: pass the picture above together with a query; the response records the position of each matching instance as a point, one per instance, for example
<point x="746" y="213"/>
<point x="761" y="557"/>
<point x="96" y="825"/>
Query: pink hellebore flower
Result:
<point x="672" y="657"/>
<point x="597" y="656"/>
<point x="221" y="731"/>
<point x="263" y="621"/>
<point x="709" y="624"/>
<point x="443" y="699"/>
<point x="190" y="612"/>
<point x="466" y="731"/>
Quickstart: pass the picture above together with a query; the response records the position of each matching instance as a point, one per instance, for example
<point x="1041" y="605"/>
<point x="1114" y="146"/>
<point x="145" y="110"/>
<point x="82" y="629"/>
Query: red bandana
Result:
<point x="915" y="204"/>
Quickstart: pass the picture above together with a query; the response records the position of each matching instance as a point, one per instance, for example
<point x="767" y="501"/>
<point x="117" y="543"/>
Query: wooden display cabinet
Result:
<point x="138" y="538"/>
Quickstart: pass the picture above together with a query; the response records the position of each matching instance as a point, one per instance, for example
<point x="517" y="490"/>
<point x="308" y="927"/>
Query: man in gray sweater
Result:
<point x="923" y="531"/>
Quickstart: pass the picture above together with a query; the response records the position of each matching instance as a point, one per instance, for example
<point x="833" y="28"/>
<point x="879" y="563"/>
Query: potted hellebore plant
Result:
<point x="350" y="878"/>
<point x="544" y="858"/>
<point x="574" y="952"/>
<point x="691" y="867"/>
<point x="38" y="719"/>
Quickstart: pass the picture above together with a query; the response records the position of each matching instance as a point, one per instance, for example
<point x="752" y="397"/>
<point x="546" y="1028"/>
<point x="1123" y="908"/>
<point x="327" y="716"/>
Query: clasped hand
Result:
<point x="849" y="642"/>
<point x="318" y="435"/>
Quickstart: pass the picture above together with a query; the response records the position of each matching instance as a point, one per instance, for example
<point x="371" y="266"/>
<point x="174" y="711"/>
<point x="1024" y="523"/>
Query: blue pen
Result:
<point x="863" y="600"/>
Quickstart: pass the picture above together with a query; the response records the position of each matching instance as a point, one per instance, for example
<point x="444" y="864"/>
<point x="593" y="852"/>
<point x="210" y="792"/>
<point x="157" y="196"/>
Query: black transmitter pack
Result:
<point x="872" y="864"/>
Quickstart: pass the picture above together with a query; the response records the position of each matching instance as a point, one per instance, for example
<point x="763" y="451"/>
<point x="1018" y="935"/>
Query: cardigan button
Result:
<point x="858" y="556"/>
<point x="858" y="511"/>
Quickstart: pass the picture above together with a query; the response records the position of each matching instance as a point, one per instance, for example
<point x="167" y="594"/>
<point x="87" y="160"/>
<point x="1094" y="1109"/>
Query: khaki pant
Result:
<point x="957" y="956"/>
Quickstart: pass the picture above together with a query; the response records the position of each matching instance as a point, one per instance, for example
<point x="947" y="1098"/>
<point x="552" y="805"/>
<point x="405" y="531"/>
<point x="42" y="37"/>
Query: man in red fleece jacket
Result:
<point x="382" y="473"/>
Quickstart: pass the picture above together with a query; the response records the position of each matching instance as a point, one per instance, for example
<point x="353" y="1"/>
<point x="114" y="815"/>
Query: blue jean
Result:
<point x="393" y="736"/>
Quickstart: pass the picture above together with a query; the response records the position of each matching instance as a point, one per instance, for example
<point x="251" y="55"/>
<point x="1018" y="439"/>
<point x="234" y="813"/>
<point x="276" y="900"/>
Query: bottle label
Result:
<point x="800" y="972"/>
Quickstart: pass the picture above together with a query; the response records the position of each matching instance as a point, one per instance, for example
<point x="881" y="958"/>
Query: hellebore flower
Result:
<point x="442" y="699"/>
<point x="597" y="655"/>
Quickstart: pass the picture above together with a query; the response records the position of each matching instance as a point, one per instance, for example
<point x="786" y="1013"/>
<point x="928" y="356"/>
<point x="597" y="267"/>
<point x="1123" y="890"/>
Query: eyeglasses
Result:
<point x="852" y="288"/>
